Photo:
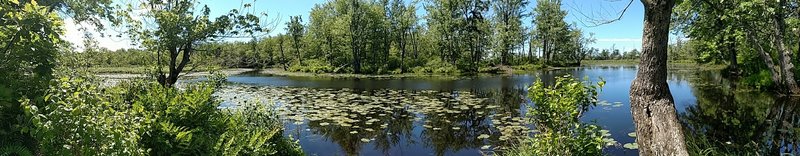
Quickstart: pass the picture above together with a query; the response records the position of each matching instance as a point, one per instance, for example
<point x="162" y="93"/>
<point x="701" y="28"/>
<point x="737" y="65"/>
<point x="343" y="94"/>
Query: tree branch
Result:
<point x="604" y="22"/>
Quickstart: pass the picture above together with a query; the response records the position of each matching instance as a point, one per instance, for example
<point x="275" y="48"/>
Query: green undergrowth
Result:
<point x="78" y="117"/>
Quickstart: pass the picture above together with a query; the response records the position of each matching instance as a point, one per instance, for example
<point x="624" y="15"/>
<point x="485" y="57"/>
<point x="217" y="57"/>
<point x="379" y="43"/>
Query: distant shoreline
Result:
<point x="140" y="71"/>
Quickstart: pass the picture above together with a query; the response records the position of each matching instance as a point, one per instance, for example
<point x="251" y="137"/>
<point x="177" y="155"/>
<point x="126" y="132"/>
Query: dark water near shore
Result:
<point x="429" y="116"/>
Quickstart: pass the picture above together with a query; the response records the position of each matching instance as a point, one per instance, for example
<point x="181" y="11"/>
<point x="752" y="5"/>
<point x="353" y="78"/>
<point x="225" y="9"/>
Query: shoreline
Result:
<point x="139" y="72"/>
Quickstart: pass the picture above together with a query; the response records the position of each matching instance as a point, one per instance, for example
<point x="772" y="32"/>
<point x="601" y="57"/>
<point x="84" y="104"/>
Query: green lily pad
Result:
<point x="632" y="134"/>
<point x="631" y="146"/>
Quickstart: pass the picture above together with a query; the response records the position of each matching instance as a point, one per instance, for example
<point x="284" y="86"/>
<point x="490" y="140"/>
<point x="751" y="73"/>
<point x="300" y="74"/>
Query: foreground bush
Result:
<point x="141" y="118"/>
<point x="556" y="116"/>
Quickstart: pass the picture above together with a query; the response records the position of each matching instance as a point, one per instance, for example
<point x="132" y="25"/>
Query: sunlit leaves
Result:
<point x="555" y="113"/>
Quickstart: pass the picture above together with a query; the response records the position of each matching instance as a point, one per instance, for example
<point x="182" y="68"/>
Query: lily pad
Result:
<point x="632" y="134"/>
<point x="483" y="136"/>
<point x="631" y="146"/>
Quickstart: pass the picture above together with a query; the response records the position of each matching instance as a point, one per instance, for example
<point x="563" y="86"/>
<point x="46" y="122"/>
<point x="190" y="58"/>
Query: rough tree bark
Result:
<point x="785" y="54"/>
<point x="652" y="105"/>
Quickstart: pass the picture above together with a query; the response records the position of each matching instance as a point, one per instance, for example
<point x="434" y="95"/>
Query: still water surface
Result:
<point x="468" y="116"/>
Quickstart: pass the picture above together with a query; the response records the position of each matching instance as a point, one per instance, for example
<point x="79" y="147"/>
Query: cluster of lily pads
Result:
<point x="364" y="115"/>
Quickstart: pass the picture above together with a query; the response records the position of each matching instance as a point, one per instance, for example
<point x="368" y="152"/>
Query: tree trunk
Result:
<point x="403" y="52"/>
<point x="297" y="51"/>
<point x="785" y="55"/>
<point x="270" y="52"/>
<point x="414" y="44"/>
<point x="657" y="128"/>
<point x="283" y="56"/>
<point x="355" y="36"/>
<point x="330" y="48"/>
<point x="775" y="73"/>
<point x="733" y="67"/>
<point x="545" y="52"/>
<point x="530" y="51"/>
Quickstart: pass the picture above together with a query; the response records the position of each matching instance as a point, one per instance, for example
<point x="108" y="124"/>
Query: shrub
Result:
<point x="555" y="113"/>
<point x="144" y="118"/>
<point x="436" y="66"/>
<point x="78" y="118"/>
<point x="761" y="80"/>
<point x="527" y="67"/>
<point x="312" y="66"/>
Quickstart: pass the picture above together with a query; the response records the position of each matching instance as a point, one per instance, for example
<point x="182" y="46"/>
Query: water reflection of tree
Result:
<point x="468" y="111"/>
<point x="393" y="124"/>
<point x="731" y="120"/>
<point x="453" y="131"/>
<point x="510" y="101"/>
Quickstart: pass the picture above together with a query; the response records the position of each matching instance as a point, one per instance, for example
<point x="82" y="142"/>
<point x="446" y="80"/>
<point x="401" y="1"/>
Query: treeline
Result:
<point x="612" y="54"/>
<point x="388" y="36"/>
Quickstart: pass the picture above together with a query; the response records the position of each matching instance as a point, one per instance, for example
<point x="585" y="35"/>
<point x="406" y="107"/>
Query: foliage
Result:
<point x="141" y="118"/>
<point x="367" y="36"/>
<point x="29" y="44"/>
<point x="312" y="66"/>
<point x="760" y="81"/>
<point x="509" y="31"/>
<point x="526" y="67"/>
<point x="15" y="150"/>
<point x="562" y="103"/>
<point x="177" y="27"/>
<point x="436" y="66"/>
<point x="77" y="118"/>
<point x="747" y="32"/>
<point x="253" y="129"/>
<point x="562" y="44"/>
<point x="555" y="114"/>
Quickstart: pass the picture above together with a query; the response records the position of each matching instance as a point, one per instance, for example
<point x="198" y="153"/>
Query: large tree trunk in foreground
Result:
<point x="652" y="105"/>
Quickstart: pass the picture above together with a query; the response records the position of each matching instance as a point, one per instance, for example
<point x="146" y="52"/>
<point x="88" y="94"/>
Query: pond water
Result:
<point x="473" y="116"/>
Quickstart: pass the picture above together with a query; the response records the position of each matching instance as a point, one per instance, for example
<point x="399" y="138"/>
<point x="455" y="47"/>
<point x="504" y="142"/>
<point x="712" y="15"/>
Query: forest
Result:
<point x="447" y="68"/>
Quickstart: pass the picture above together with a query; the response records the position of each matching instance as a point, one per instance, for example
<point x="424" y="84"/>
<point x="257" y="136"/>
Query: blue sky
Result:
<point x="624" y="34"/>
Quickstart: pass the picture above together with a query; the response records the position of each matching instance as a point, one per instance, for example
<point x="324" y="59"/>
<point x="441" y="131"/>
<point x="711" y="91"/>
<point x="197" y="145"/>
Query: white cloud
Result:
<point x="75" y="35"/>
